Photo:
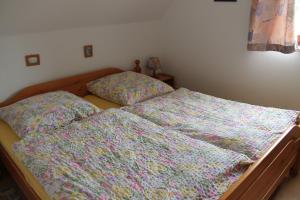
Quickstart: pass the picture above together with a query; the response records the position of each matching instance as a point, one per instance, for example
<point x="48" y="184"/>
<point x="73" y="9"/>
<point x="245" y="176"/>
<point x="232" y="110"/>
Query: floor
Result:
<point x="290" y="190"/>
<point x="8" y="188"/>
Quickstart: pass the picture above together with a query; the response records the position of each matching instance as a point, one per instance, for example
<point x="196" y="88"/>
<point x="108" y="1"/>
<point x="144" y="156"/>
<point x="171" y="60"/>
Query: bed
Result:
<point x="75" y="84"/>
<point x="258" y="182"/>
<point x="8" y="137"/>
<point x="235" y="126"/>
<point x="244" y="128"/>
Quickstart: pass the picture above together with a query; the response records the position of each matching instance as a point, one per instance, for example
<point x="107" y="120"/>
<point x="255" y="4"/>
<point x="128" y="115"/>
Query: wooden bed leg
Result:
<point x="293" y="173"/>
<point x="295" y="169"/>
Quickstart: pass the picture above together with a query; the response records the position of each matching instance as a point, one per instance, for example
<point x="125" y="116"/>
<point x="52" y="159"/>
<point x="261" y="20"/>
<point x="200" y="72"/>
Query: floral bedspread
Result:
<point x="241" y="127"/>
<point x="118" y="155"/>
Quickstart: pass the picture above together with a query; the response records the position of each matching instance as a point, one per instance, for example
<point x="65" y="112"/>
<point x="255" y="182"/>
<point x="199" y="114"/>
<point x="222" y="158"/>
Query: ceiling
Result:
<point x="29" y="16"/>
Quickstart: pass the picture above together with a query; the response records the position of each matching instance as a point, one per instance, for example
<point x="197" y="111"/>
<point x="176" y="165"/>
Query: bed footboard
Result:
<point x="261" y="180"/>
<point x="258" y="182"/>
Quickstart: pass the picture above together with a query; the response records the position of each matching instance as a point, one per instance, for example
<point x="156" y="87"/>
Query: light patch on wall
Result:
<point x="267" y="59"/>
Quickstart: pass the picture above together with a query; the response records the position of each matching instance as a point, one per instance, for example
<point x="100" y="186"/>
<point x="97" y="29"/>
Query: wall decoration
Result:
<point x="226" y="0"/>
<point x="88" y="51"/>
<point x="32" y="60"/>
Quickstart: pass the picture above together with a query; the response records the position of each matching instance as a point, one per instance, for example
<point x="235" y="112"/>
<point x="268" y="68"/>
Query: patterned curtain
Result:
<point x="272" y="26"/>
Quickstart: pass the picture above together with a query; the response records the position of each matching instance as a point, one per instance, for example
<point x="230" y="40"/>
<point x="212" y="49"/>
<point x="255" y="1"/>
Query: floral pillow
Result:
<point x="128" y="88"/>
<point x="45" y="112"/>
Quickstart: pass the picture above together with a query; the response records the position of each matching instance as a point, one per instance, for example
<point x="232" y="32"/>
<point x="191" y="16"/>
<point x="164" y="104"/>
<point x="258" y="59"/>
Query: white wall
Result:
<point x="31" y="16"/>
<point x="205" y="48"/>
<point x="201" y="42"/>
<point x="62" y="52"/>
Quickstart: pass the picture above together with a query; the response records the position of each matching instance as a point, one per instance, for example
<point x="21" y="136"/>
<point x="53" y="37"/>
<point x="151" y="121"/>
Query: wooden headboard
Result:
<point x="74" y="84"/>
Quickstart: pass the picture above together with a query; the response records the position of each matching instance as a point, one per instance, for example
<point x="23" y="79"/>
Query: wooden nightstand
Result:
<point x="168" y="79"/>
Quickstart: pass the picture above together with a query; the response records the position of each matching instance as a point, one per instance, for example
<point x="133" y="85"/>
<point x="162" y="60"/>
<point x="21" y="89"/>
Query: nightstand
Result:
<point x="166" y="78"/>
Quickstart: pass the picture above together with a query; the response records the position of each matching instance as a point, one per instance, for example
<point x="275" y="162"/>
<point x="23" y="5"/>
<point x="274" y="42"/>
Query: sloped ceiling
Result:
<point x="29" y="16"/>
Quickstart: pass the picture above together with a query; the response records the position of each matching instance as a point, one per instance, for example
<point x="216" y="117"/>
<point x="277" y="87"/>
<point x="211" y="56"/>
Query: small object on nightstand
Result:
<point x="154" y="65"/>
<point x="166" y="78"/>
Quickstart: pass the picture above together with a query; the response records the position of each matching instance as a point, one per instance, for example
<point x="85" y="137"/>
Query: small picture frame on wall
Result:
<point x="32" y="60"/>
<point x="88" y="51"/>
<point x="226" y="0"/>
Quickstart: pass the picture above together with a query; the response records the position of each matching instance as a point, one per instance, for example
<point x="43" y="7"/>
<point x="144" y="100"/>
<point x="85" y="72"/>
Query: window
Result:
<point x="297" y="23"/>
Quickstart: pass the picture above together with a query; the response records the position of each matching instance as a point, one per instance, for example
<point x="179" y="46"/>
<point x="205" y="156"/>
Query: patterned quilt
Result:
<point x="118" y="155"/>
<point x="241" y="127"/>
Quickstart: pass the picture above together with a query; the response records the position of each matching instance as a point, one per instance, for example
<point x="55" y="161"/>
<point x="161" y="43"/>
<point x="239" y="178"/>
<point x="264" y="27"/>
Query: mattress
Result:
<point x="8" y="137"/>
<point x="101" y="103"/>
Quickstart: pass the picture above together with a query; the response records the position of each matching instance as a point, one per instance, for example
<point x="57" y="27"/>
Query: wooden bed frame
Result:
<point x="258" y="183"/>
